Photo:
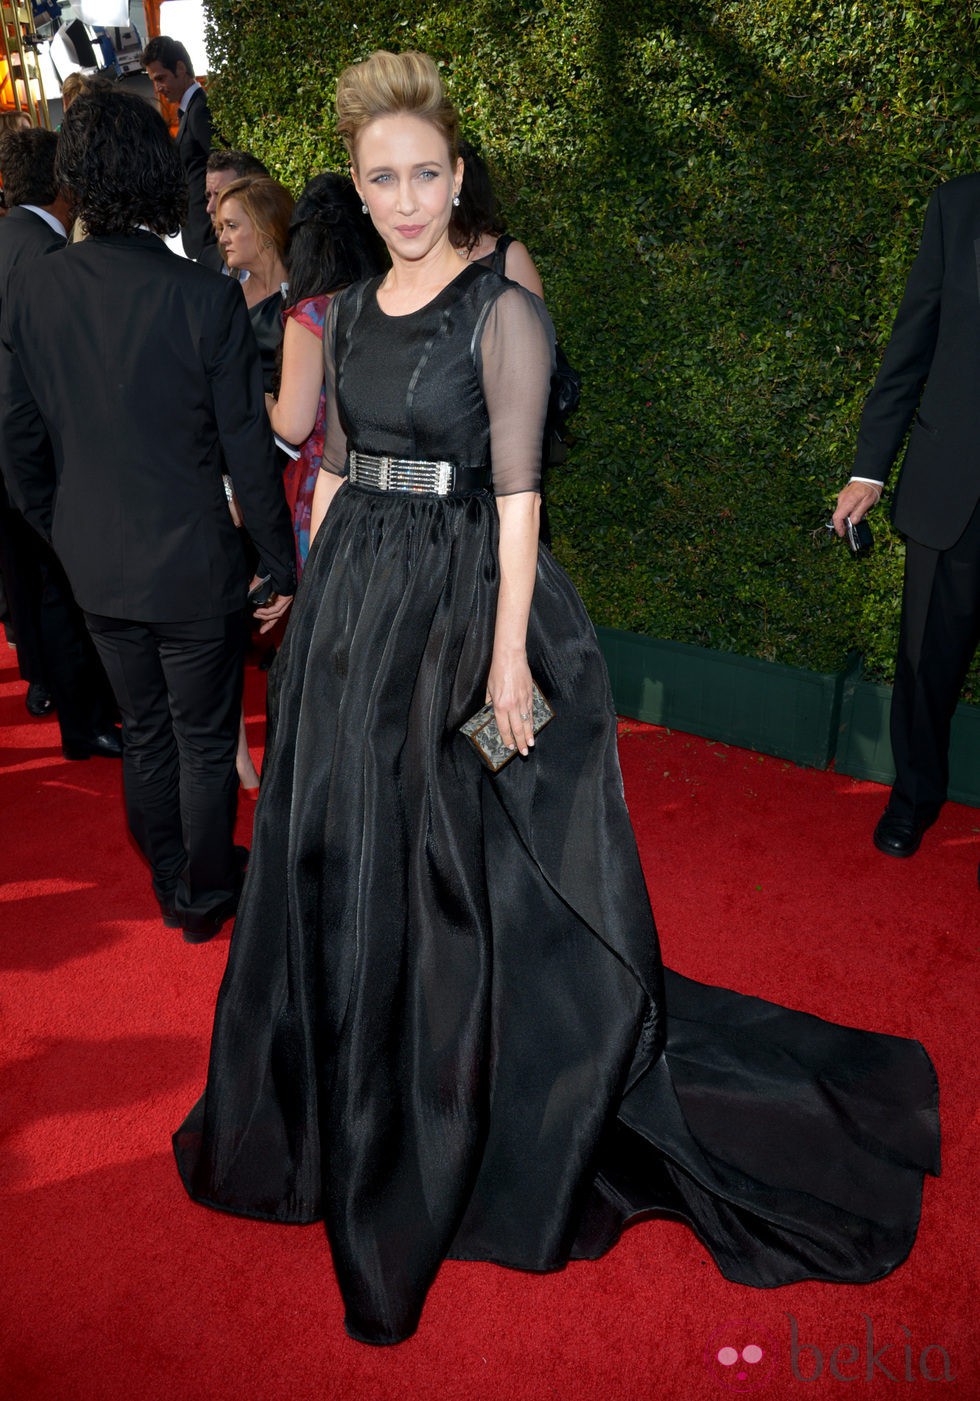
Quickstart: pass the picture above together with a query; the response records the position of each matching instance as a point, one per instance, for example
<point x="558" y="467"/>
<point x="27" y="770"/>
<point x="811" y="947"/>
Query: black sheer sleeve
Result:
<point x="515" y="360"/>
<point x="334" y="438"/>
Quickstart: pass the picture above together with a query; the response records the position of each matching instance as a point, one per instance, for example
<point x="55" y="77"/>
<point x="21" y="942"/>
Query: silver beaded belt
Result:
<point x="401" y="474"/>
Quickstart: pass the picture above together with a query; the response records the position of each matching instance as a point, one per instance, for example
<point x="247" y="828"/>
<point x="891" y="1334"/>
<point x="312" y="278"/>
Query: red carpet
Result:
<point x="115" y="1285"/>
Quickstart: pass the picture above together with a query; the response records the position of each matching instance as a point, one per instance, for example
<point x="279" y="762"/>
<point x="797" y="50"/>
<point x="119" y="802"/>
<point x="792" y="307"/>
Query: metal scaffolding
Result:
<point x="21" y="88"/>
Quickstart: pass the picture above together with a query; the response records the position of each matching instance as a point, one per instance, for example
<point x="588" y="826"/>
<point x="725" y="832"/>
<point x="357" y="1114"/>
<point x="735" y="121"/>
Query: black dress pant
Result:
<point x="23" y="586"/>
<point x="179" y="691"/>
<point x="939" y="632"/>
<point x="53" y="646"/>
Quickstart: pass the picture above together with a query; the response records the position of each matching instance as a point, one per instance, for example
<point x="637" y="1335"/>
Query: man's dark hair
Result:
<point x="169" y="52"/>
<point x="118" y="164"/>
<point x="27" y="165"/>
<point x="241" y="162"/>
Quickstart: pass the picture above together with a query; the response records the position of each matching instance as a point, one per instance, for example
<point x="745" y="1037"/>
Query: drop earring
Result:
<point x="363" y="208"/>
<point x="456" y="201"/>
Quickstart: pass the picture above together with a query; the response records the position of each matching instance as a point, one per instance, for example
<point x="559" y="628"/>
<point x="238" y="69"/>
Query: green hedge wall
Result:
<point x="723" y="199"/>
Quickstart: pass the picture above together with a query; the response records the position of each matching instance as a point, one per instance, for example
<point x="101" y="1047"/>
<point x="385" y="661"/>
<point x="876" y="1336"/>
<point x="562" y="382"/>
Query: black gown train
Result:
<point x="444" y="1027"/>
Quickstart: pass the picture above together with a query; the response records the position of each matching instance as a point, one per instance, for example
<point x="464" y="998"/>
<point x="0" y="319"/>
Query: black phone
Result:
<point x="262" y="593"/>
<point x="858" y="536"/>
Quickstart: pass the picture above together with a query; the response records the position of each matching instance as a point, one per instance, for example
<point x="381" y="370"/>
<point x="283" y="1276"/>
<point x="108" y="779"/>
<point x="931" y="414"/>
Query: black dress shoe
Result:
<point x="198" y="929"/>
<point x="105" y="746"/>
<point x="38" y="700"/>
<point x="171" y="919"/>
<point x="900" y="836"/>
<point x="204" y="927"/>
<point x="201" y="936"/>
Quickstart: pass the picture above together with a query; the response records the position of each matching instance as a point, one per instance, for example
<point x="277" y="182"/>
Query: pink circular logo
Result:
<point x="740" y="1354"/>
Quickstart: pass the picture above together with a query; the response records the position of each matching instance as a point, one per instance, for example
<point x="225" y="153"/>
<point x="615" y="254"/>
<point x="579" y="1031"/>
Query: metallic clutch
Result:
<point x="481" y="731"/>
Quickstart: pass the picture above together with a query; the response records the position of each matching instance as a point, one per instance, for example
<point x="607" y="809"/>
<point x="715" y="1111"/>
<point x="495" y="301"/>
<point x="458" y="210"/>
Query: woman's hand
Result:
<point x="509" y="681"/>
<point x="509" y="688"/>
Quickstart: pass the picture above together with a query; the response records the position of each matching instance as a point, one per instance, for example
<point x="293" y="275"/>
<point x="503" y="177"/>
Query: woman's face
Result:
<point x="237" y="235"/>
<point x="406" y="178"/>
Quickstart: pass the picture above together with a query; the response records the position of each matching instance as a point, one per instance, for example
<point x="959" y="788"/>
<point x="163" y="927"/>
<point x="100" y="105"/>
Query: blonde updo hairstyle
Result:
<point x="388" y="85"/>
<point x="266" y="203"/>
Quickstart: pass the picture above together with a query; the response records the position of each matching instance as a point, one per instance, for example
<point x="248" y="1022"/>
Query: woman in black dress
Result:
<point x="252" y="223"/>
<point x="444" y="1025"/>
<point x="477" y="231"/>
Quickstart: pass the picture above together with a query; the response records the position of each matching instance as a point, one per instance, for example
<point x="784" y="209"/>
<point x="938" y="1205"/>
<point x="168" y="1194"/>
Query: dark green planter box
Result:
<point x="780" y="710"/>
<point x="864" y="750"/>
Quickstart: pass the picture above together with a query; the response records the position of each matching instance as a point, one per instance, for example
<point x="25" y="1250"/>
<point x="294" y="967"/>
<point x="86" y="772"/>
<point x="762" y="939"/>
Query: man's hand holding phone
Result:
<point x="267" y="605"/>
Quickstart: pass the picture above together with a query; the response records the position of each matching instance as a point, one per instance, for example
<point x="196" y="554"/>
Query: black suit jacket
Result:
<point x="195" y="134"/>
<point x="23" y="235"/>
<point x="929" y="379"/>
<point x="143" y="370"/>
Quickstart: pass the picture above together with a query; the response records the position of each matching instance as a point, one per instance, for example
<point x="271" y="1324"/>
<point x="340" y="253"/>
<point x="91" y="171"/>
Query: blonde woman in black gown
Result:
<point x="444" y="1028"/>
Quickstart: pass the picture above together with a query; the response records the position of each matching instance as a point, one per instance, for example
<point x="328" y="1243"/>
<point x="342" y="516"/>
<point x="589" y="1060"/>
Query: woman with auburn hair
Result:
<point x="443" y="1028"/>
<point x="252" y="223"/>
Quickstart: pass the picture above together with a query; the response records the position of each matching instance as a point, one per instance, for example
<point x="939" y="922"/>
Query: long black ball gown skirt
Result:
<point x="444" y="1027"/>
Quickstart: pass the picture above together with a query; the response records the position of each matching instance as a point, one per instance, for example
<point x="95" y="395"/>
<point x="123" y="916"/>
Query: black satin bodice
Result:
<point x="464" y="379"/>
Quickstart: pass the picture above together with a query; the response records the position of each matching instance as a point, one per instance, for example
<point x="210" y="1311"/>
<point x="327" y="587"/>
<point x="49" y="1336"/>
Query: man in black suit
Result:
<point x="168" y="66"/>
<point x="928" y="382"/>
<point x="128" y="378"/>
<point x="223" y="169"/>
<point x="53" y="644"/>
